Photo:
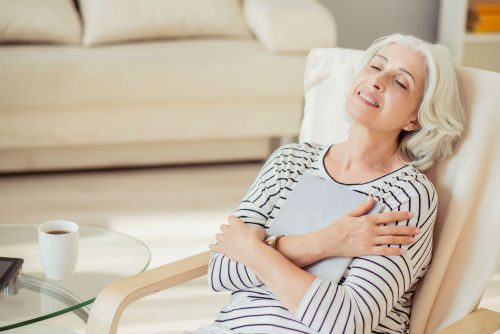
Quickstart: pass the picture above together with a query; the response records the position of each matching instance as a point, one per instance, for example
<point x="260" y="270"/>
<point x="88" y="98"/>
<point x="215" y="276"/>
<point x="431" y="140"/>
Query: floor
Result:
<point x="174" y="210"/>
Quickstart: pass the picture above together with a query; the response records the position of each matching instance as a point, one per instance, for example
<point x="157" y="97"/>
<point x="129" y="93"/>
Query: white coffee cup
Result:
<point x="58" y="241"/>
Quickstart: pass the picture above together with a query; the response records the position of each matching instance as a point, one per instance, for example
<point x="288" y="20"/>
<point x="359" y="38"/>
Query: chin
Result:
<point x="363" y="118"/>
<point x="359" y="112"/>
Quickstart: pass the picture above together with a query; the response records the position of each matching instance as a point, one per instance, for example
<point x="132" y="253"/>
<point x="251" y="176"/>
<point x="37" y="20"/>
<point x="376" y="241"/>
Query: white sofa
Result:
<point x="112" y="91"/>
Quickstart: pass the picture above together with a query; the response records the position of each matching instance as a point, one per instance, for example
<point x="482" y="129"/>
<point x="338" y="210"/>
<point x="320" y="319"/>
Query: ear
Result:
<point x="412" y="125"/>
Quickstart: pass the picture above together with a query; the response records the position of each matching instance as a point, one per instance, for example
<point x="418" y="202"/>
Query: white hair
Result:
<point x="441" y="114"/>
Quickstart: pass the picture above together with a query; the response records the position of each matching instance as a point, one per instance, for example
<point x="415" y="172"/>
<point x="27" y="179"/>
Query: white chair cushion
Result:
<point x="466" y="236"/>
<point x="466" y="248"/>
<point x="326" y="80"/>
<point x="52" y="21"/>
<point x="126" y="20"/>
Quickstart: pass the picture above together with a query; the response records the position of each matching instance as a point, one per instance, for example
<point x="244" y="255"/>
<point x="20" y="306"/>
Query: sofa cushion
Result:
<point x="126" y="20"/>
<point x="54" y="21"/>
<point x="141" y="73"/>
<point x="291" y="25"/>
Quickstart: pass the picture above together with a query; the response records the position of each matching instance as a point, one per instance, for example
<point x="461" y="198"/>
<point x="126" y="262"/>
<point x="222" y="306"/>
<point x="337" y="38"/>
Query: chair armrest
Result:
<point x="290" y="25"/>
<point x="114" y="298"/>
<point x="482" y="321"/>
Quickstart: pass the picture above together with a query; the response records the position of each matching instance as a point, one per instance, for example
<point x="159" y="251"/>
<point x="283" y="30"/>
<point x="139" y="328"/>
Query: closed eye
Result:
<point x="375" y="67"/>
<point x="400" y="84"/>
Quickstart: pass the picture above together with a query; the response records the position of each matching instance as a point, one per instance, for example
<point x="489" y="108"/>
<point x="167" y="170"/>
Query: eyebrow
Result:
<point x="402" y="69"/>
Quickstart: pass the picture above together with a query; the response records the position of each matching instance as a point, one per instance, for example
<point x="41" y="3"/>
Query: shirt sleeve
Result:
<point x="374" y="284"/>
<point x="226" y="274"/>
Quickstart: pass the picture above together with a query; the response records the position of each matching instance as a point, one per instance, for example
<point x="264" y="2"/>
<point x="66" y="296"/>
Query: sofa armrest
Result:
<point x="290" y="25"/>
<point x="482" y="321"/>
<point x="114" y="298"/>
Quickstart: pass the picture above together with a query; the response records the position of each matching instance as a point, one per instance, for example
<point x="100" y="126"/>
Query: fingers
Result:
<point x="216" y="248"/>
<point x="397" y="230"/>
<point x="388" y="251"/>
<point x="219" y="237"/>
<point x="363" y="208"/>
<point x="391" y="216"/>
<point x="233" y="219"/>
<point x="393" y="240"/>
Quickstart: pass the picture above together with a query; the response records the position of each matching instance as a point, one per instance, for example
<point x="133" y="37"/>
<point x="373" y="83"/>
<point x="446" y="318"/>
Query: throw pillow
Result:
<point x="128" y="20"/>
<point x="52" y="21"/>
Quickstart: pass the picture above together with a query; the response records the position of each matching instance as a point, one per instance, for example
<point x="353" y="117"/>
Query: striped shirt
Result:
<point x="375" y="293"/>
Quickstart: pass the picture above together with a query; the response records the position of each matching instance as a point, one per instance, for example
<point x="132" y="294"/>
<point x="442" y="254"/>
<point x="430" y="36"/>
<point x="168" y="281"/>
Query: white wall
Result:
<point x="359" y="22"/>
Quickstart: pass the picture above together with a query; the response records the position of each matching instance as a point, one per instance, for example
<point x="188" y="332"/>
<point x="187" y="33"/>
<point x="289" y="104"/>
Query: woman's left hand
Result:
<point x="237" y="239"/>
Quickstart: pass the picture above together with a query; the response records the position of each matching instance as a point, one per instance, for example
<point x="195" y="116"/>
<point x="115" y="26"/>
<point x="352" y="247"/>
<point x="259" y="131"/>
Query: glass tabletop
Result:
<point x="104" y="257"/>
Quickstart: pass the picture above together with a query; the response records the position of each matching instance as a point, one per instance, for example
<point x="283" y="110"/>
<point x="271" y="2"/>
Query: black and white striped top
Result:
<point x="376" y="292"/>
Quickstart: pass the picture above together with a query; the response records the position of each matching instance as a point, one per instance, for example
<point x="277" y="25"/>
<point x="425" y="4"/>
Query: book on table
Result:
<point x="484" y="18"/>
<point x="315" y="203"/>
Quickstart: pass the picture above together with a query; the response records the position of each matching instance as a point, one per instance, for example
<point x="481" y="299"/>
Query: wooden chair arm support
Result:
<point x="113" y="299"/>
<point x="482" y="321"/>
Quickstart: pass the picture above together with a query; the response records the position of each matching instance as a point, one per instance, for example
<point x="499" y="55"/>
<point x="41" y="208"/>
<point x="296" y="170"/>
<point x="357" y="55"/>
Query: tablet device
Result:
<point x="9" y="268"/>
<point x="313" y="204"/>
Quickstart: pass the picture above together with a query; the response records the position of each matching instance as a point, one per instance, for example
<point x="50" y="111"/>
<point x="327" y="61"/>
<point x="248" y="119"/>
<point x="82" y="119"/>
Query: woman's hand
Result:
<point x="357" y="234"/>
<point x="237" y="239"/>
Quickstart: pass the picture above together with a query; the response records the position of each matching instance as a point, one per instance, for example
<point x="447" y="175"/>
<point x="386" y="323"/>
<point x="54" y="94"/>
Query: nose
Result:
<point x="377" y="84"/>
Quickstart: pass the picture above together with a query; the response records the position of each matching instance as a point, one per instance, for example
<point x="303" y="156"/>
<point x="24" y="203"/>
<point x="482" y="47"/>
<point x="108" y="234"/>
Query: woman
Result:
<point x="406" y="112"/>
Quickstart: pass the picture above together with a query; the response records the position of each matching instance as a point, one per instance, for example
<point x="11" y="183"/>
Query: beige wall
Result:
<point x="359" y="22"/>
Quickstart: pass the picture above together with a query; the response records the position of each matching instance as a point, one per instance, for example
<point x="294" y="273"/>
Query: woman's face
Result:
<point x="385" y="95"/>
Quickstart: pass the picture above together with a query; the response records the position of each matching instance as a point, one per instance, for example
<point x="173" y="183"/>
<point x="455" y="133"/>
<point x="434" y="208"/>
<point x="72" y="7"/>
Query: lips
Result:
<point x="368" y="99"/>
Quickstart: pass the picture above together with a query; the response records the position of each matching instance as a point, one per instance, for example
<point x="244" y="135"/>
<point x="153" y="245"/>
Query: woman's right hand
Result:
<point x="358" y="234"/>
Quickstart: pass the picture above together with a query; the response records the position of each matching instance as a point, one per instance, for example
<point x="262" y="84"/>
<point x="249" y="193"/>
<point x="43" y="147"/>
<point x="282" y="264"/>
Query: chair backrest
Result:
<point x="466" y="247"/>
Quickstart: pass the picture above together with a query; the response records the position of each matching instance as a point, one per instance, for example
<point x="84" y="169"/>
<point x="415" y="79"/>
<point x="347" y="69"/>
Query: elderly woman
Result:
<point x="406" y="112"/>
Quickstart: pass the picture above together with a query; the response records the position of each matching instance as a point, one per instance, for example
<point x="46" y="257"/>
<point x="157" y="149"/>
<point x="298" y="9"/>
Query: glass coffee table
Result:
<point x="104" y="257"/>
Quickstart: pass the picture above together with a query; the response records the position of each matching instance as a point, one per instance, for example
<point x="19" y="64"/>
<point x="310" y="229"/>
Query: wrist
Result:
<point x="318" y="245"/>
<point x="246" y="248"/>
<point x="249" y="249"/>
<point x="272" y="241"/>
<point x="254" y="257"/>
<point x="302" y="250"/>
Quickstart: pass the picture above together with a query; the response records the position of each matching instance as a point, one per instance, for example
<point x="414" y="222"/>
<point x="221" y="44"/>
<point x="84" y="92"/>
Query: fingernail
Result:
<point x="410" y="214"/>
<point x="417" y="230"/>
<point x="403" y="252"/>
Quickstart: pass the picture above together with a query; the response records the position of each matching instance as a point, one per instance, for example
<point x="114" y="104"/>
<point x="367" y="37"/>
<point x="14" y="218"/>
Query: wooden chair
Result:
<point x="466" y="248"/>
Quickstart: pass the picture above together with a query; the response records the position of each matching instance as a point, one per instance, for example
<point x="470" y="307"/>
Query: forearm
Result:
<point x="301" y="250"/>
<point x="287" y="281"/>
<point x="225" y="274"/>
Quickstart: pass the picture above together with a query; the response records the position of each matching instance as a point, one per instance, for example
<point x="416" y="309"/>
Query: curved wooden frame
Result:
<point x="112" y="301"/>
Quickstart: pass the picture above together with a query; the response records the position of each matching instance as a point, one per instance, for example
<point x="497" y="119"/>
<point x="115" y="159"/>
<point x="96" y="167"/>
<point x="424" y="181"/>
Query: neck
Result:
<point x="369" y="151"/>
